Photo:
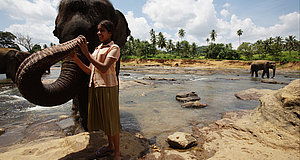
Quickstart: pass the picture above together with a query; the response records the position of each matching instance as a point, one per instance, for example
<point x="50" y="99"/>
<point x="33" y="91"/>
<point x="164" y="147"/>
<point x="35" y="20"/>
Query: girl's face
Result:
<point x="103" y="34"/>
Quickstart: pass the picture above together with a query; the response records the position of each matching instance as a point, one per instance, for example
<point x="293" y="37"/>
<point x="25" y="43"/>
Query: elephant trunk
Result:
<point x="70" y="80"/>
<point x="274" y="69"/>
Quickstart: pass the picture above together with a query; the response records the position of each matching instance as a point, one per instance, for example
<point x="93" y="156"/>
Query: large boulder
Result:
<point x="252" y="94"/>
<point x="181" y="140"/>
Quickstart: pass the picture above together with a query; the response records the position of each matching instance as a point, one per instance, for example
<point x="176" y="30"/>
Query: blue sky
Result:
<point x="259" y="19"/>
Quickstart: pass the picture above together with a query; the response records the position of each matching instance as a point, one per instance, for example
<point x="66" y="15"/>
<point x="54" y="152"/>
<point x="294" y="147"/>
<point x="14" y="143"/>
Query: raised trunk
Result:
<point x="68" y="84"/>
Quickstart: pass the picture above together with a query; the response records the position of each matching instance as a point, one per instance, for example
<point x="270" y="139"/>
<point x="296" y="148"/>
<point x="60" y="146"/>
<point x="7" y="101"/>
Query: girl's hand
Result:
<point x="74" y="56"/>
<point x="83" y="46"/>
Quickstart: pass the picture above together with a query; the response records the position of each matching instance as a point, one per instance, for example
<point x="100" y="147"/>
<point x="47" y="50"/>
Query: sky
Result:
<point x="258" y="19"/>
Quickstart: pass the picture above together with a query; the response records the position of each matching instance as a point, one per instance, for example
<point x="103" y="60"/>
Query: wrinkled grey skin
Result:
<point x="10" y="60"/>
<point x="263" y="65"/>
<point x="80" y="17"/>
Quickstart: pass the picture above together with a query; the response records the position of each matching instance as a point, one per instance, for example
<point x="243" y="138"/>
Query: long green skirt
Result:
<point x="103" y="110"/>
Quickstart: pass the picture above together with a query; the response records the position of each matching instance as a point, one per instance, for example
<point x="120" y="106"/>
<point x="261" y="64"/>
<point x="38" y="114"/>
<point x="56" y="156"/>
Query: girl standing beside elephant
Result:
<point x="103" y="100"/>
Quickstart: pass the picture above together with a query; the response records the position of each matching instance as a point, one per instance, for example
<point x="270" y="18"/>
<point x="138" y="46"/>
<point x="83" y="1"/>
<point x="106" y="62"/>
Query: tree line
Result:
<point x="161" y="48"/>
<point x="278" y="48"/>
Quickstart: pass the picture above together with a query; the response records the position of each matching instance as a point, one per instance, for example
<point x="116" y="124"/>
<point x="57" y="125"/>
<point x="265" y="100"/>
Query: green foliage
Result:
<point x="276" y="49"/>
<point x="36" y="48"/>
<point x="7" y="40"/>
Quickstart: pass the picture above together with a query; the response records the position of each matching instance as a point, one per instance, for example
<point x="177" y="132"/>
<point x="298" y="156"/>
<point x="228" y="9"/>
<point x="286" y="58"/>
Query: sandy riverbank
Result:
<point x="203" y="63"/>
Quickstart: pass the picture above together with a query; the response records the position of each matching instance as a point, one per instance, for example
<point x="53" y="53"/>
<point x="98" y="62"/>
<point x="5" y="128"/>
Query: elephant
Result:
<point x="262" y="65"/>
<point x="75" y="18"/>
<point x="10" y="60"/>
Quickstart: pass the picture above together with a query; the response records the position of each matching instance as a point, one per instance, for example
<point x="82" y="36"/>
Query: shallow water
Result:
<point x="149" y="109"/>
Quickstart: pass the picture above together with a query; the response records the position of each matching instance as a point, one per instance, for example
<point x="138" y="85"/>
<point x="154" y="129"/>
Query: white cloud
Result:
<point x="289" y="25"/>
<point x="224" y="13"/>
<point x="166" y="15"/>
<point x="35" y="18"/>
<point x="197" y="18"/>
<point x="226" y="5"/>
<point x="139" y="26"/>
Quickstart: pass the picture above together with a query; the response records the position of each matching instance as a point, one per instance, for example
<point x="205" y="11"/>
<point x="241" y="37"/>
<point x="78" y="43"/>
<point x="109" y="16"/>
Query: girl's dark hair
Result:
<point x="108" y="25"/>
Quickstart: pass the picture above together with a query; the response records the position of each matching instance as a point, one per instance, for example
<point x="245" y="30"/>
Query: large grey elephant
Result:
<point x="75" y="17"/>
<point x="263" y="65"/>
<point x="10" y="60"/>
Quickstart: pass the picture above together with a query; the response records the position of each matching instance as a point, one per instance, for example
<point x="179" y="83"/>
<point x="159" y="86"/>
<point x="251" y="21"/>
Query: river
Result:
<point x="149" y="109"/>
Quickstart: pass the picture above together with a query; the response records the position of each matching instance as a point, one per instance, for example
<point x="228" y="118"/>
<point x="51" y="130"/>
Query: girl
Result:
<point x="103" y="96"/>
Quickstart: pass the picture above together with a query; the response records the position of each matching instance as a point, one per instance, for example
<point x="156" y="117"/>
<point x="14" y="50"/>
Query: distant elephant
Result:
<point x="10" y="60"/>
<point x="262" y="65"/>
<point x="75" y="17"/>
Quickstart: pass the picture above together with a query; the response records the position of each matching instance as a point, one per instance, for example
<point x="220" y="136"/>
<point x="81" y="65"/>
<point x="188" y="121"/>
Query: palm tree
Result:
<point x="170" y="45"/>
<point x="153" y="37"/>
<point x="161" y="41"/>
<point x="213" y="35"/>
<point x="181" y="33"/>
<point x="239" y="33"/>
<point x="207" y="40"/>
<point x="290" y="43"/>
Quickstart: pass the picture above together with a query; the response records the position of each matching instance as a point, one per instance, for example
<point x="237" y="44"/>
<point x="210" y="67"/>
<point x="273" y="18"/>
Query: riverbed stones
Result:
<point x="187" y="97"/>
<point x="195" y="104"/>
<point x="181" y="140"/>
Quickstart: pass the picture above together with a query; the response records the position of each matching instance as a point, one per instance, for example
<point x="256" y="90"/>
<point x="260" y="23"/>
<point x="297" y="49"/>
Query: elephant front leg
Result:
<point x="256" y="73"/>
<point x="268" y="74"/>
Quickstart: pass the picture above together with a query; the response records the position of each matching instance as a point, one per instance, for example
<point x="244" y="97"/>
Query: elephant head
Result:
<point x="271" y="65"/>
<point x="75" y="17"/>
<point x="10" y="61"/>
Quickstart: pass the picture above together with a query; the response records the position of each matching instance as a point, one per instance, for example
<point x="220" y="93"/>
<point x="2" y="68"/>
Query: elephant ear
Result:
<point x="122" y="31"/>
<point x="22" y="55"/>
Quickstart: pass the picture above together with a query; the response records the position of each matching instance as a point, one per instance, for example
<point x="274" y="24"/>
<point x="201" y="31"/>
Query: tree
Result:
<point x="36" y="48"/>
<point x="170" y="45"/>
<point x="153" y="37"/>
<point x="239" y="33"/>
<point x="193" y="49"/>
<point x="246" y="49"/>
<point x="181" y="33"/>
<point x="290" y="43"/>
<point x="207" y="40"/>
<point x="213" y="35"/>
<point x="161" y="42"/>
<point x="24" y="41"/>
<point x="7" y="40"/>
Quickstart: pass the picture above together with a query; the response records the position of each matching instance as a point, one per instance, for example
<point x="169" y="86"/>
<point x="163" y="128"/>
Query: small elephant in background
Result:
<point x="10" y="60"/>
<point x="263" y="65"/>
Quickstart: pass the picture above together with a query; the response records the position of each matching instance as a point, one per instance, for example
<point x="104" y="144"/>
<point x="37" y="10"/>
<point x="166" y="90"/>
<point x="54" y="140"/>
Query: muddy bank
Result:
<point x="203" y="63"/>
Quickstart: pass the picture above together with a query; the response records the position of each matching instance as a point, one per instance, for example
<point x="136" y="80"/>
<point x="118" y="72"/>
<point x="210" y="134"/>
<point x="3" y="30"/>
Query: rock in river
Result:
<point x="195" y="104"/>
<point x="187" y="96"/>
<point x="181" y="140"/>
